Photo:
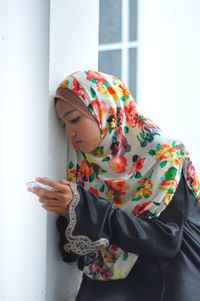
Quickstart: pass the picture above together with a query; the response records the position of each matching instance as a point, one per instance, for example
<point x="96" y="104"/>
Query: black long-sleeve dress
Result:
<point x="168" y="267"/>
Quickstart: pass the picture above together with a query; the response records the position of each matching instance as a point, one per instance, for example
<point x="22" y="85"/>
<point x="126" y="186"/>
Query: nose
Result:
<point x="70" y="132"/>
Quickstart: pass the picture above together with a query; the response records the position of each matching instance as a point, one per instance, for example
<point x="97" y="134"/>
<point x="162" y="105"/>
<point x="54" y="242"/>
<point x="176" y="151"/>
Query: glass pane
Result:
<point x="109" y="21"/>
<point x="133" y="71"/>
<point x="110" y="62"/>
<point x="133" y="20"/>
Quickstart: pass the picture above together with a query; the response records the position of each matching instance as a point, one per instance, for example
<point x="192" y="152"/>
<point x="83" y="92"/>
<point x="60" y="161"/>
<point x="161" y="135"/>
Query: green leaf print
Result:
<point x="106" y="84"/>
<point x="158" y="146"/>
<point x="106" y="159"/>
<point x="92" y="176"/>
<point x="163" y="163"/>
<point x="92" y="92"/>
<point x="136" y="199"/>
<point x="126" y="130"/>
<point x="151" y="152"/>
<point x="71" y="165"/>
<point x="93" y="80"/>
<point x="171" y="173"/>
<point x="134" y="158"/>
<point x="102" y="188"/>
<point x="138" y="175"/>
<point x="116" y="194"/>
<point x="125" y="256"/>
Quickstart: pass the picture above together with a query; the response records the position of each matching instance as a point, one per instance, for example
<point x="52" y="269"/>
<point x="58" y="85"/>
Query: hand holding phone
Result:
<point x="54" y="196"/>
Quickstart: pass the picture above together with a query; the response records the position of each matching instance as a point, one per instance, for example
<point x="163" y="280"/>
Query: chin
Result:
<point x="86" y="150"/>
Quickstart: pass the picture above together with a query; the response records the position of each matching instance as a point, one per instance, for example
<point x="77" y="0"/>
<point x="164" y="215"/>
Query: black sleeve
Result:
<point x="61" y="224"/>
<point x="96" y="218"/>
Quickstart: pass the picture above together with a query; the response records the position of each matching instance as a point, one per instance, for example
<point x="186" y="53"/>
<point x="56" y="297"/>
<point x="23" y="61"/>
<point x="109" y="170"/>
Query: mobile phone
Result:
<point x="35" y="184"/>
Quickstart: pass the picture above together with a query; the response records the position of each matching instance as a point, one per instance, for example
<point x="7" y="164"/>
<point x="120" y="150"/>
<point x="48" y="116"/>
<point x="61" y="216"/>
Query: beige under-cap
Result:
<point x="73" y="100"/>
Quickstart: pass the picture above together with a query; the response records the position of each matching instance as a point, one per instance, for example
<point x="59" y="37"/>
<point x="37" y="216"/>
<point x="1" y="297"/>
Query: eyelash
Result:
<point x="75" y="120"/>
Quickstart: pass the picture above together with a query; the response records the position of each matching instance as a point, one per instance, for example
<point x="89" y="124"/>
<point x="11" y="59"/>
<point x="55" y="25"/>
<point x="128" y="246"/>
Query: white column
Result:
<point x="73" y="46"/>
<point x="24" y="100"/>
<point x="169" y="65"/>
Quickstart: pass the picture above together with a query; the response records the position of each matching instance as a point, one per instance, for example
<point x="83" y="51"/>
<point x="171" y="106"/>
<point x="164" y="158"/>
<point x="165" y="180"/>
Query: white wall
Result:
<point x="24" y="62"/>
<point x="73" y="46"/>
<point x="169" y="64"/>
<point x="32" y="141"/>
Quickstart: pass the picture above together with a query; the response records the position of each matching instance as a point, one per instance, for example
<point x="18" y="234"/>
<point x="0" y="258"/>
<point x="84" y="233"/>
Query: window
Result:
<point x="118" y="40"/>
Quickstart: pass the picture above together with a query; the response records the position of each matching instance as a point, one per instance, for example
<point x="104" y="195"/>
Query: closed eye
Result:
<point x="75" y="120"/>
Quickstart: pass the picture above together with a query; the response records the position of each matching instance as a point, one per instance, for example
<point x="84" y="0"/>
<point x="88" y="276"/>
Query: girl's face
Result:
<point x="83" y="132"/>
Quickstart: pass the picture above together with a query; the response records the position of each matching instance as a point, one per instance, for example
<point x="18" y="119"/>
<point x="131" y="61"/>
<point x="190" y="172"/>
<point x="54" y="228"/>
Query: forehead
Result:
<point x="63" y="107"/>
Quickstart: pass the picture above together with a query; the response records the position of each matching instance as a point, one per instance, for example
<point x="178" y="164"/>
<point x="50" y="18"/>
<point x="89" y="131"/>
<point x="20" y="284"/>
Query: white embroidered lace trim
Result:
<point x="80" y="244"/>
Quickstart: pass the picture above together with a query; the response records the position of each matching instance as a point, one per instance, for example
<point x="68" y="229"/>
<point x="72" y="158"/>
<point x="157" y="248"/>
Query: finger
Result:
<point x="65" y="182"/>
<point x="46" y="200"/>
<point x="54" y="209"/>
<point x="40" y="192"/>
<point x="33" y="190"/>
<point x="53" y="184"/>
<point x="51" y="204"/>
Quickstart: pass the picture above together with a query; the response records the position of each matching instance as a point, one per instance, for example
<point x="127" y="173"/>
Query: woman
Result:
<point x="129" y="210"/>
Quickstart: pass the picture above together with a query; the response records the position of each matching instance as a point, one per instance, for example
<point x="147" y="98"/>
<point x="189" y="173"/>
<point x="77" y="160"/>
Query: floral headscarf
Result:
<point x="135" y="166"/>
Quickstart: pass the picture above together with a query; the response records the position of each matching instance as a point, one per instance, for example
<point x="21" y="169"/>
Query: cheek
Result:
<point x="89" y="130"/>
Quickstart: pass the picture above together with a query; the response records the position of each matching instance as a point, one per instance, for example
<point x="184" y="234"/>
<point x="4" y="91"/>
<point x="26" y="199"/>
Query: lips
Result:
<point x="77" y="143"/>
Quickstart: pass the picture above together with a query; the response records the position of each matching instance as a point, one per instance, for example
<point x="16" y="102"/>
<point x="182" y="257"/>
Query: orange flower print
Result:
<point x="94" y="191"/>
<point x="118" y="164"/>
<point x="138" y="163"/>
<point x="99" y="109"/>
<point x="78" y="90"/>
<point x="85" y="169"/>
<point x="105" y="88"/>
<point x="104" y="131"/>
<point x="169" y="153"/>
<point x="196" y="184"/>
<point x="94" y="76"/>
<point x="118" y="201"/>
<point x="116" y="188"/>
<point x="64" y="84"/>
<point x="111" y="111"/>
<point x="140" y="209"/>
<point x="115" y="198"/>
<point x="71" y="175"/>
<point x="112" y="121"/>
<point x="168" y="186"/>
<point x="144" y="190"/>
<point x="121" y="89"/>
<point x="118" y="185"/>
<point x="131" y="115"/>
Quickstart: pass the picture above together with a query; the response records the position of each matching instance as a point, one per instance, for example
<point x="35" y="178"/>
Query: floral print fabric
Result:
<point x="135" y="166"/>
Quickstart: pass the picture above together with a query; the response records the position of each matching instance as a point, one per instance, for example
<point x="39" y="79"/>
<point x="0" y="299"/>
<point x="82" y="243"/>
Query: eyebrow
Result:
<point x="68" y="112"/>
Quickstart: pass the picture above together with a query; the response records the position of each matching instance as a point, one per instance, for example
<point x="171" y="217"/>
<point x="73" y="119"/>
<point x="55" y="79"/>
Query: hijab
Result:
<point x="135" y="166"/>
